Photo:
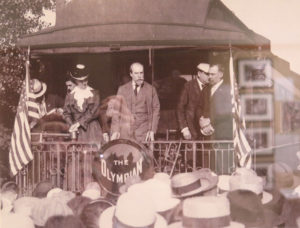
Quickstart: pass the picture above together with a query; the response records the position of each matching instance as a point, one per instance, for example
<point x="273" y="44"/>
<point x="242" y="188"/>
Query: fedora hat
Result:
<point x="132" y="211"/>
<point x="203" y="67"/>
<point x="79" y="72"/>
<point x="188" y="184"/>
<point x="37" y="88"/>
<point x="206" y="212"/>
<point x="246" y="179"/>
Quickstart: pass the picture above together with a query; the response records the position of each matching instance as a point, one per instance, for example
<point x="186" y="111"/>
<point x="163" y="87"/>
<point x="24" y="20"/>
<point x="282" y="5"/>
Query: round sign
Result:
<point x="119" y="160"/>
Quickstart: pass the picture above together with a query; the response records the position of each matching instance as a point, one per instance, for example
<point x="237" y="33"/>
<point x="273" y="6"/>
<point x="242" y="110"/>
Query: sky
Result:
<point x="277" y="20"/>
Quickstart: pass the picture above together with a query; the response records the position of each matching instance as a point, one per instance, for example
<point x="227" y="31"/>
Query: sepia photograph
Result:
<point x="149" y="114"/>
<point x="255" y="73"/>
<point x="257" y="107"/>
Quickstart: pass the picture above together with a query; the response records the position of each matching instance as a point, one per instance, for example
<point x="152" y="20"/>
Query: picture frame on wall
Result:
<point x="255" y="73"/>
<point x="257" y="107"/>
<point x="260" y="139"/>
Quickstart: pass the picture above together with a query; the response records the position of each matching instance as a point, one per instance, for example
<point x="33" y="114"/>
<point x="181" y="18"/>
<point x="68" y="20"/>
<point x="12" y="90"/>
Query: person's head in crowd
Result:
<point x="70" y="84"/>
<point x="42" y="188"/>
<point x="49" y="207"/>
<point x="8" y="194"/>
<point x="132" y="211"/>
<point x="78" y="203"/>
<point x="205" y="211"/>
<point x="216" y="73"/>
<point x="246" y="179"/>
<point x="279" y="175"/>
<point x="202" y="73"/>
<point x="15" y="220"/>
<point x="59" y="221"/>
<point x="80" y="75"/>
<point x="137" y="73"/>
<point x="91" y="212"/>
<point x="246" y="207"/>
<point x="24" y="205"/>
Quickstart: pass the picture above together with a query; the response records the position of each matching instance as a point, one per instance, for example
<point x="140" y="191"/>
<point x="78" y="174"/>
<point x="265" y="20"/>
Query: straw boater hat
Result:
<point x="79" y="72"/>
<point x="37" y="89"/>
<point x="188" y="184"/>
<point x="203" y="67"/>
<point x="132" y="211"/>
<point x="158" y="191"/>
<point x="246" y="179"/>
<point x="206" y="212"/>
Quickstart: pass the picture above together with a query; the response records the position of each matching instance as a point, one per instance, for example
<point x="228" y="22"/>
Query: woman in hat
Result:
<point x="81" y="105"/>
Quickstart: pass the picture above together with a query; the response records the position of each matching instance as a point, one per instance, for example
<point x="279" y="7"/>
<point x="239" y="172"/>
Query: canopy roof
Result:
<point x="102" y="25"/>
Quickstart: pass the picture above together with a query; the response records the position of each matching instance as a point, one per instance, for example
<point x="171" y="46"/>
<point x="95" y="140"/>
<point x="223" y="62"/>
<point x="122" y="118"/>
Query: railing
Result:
<point x="68" y="164"/>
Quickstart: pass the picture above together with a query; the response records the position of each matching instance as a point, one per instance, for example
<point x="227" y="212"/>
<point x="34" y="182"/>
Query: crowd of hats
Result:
<point x="185" y="200"/>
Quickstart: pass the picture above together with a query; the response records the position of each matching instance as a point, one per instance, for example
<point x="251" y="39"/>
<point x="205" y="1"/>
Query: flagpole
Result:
<point x="27" y="67"/>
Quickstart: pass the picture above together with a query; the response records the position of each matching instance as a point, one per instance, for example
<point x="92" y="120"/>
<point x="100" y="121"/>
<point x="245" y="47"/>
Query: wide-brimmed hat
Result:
<point x="188" y="184"/>
<point x="203" y="67"/>
<point x="37" y="88"/>
<point x="206" y="211"/>
<point x="132" y="211"/>
<point x="246" y="179"/>
<point x="79" y="72"/>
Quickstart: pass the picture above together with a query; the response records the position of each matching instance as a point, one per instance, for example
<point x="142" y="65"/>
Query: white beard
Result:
<point x="81" y="94"/>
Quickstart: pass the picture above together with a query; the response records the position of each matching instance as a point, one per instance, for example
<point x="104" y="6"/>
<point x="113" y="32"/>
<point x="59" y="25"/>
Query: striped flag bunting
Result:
<point x="241" y="146"/>
<point x="20" y="151"/>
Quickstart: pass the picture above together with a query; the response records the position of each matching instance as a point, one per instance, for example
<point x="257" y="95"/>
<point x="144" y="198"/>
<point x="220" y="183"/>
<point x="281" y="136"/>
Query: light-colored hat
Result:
<point x="92" y="194"/>
<point x="38" y="88"/>
<point x="246" y="179"/>
<point x="203" y="67"/>
<point x="132" y="211"/>
<point x="206" y="211"/>
<point x="25" y="204"/>
<point x="223" y="183"/>
<point x="15" y="220"/>
<point x="159" y="192"/>
<point x="47" y="208"/>
<point x="188" y="184"/>
<point x="53" y="192"/>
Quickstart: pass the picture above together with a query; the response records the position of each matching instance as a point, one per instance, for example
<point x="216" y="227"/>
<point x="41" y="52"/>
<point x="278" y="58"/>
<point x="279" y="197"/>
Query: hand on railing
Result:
<point x="149" y="136"/>
<point x="186" y="133"/>
<point x="115" y="135"/>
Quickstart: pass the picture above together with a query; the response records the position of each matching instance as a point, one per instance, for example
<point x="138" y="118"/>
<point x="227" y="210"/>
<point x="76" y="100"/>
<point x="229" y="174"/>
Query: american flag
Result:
<point x="20" y="151"/>
<point x="240" y="143"/>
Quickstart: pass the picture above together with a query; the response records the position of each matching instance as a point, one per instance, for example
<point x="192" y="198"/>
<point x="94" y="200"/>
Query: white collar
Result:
<point x="215" y="87"/>
<point x="200" y="84"/>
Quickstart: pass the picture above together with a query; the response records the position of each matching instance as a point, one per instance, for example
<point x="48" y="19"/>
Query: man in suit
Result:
<point x="194" y="104"/>
<point x="220" y="104"/>
<point x="142" y="101"/>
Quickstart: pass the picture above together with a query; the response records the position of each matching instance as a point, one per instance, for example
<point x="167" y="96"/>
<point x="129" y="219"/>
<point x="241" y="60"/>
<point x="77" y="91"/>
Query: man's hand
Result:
<point x="149" y="136"/>
<point x="207" y="130"/>
<point x="115" y="135"/>
<point x="186" y="133"/>
<point x="60" y="111"/>
<point x="105" y="137"/>
<point x="74" y="127"/>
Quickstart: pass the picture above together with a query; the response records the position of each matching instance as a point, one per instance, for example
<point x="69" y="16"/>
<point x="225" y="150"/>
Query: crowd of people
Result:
<point x="134" y="112"/>
<point x="195" y="199"/>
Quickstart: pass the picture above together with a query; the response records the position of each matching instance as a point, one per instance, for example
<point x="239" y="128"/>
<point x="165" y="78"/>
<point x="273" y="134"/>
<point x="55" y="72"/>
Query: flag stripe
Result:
<point x="20" y="152"/>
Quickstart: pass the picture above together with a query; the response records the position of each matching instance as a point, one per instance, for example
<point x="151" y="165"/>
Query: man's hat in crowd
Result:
<point x="37" y="88"/>
<point x="203" y="67"/>
<point x="206" y="211"/>
<point x="79" y="72"/>
<point x="246" y="179"/>
<point x="189" y="184"/>
<point x="132" y="211"/>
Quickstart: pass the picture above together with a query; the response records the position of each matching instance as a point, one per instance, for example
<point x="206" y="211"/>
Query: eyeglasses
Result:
<point x="201" y="71"/>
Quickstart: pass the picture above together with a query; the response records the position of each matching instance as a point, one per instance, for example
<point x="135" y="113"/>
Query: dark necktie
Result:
<point x="135" y="89"/>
